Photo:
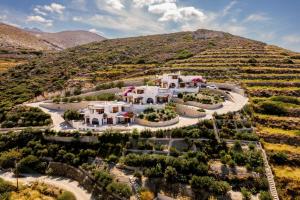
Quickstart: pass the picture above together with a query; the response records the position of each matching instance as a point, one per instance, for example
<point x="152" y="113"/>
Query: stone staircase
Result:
<point x="269" y="174"/>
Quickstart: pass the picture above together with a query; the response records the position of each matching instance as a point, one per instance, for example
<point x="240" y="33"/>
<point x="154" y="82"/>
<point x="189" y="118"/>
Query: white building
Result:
<point x="177" y="81"/>
<point x="144" y="95"/>
<point x="137" y="99"/>
<point x="108" y="113"/>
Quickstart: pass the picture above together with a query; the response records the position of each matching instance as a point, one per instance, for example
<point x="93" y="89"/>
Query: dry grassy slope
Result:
<point x="13" y="38"/>
<point x="67" y="39"/>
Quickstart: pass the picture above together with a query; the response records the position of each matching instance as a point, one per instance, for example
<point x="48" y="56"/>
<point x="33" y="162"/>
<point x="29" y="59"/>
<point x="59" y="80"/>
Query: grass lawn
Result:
<point x="287" y="172"/>
<point x="281" y="147"/>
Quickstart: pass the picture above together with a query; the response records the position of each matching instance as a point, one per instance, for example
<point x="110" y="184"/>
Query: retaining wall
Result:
<point x="65" y="106"/>
<point x="231" y="87"/>
<point x="86" y="139"/>
<point x="199" y="105"/>
<point x="144" y="122"/>
<point x="188" y="111"/>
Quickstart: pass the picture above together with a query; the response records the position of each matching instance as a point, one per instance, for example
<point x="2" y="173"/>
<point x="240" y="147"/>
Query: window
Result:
<point x="100" y="111"/>
<point x="140" y="91"/>
<point x="115" y="109"/>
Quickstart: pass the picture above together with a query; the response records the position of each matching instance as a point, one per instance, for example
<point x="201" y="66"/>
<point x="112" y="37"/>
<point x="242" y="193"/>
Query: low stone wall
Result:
<point x="138" y="108"/>
<point x="199" y="105"/>
<point x="230" y="87"/>
<point x="144" y="122"/>
<point x="65" y="106"/>
<point x="64" y="170"/>
<point x="84" y="179"/>
<point x="86" y="139"/>
<point x="188" y="111"/>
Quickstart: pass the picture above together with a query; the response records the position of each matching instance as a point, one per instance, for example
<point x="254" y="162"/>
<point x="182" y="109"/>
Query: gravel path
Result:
<point x="63" y="183"/>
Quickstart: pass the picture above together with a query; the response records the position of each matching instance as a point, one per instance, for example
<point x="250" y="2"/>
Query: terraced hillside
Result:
<point x="272" y="79"/>
<point x="270" y="75"/>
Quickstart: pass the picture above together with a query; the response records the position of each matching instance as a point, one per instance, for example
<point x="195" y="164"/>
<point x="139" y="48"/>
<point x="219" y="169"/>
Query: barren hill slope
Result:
<point x="67" y="39"/>
<point x="13" y="38"/>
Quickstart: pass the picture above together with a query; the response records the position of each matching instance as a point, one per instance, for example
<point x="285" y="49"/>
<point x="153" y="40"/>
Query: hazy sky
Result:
<point x="272" y="21"/>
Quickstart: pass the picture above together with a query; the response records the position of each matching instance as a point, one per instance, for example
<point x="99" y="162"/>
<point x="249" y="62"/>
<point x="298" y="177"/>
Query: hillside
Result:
<point x="67" y="39"/>
<point x="270" y="74"/>
<point x="13" y="38"/>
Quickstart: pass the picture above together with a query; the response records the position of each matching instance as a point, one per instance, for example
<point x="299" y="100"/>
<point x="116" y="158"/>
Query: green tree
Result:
<point x="170" y="174"/>
<point x="120" y="189"/>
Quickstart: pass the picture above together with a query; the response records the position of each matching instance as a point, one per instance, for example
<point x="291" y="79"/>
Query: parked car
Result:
<point x="214" y="87"/>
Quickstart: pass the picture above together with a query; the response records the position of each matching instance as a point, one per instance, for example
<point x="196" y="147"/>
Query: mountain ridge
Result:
<point x="14" y="38"/>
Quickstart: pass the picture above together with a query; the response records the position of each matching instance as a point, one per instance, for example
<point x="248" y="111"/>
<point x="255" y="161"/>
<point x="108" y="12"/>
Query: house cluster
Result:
<point x="137" y="99"/>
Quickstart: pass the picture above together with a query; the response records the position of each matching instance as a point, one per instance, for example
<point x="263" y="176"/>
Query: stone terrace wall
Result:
<point x="198" y="105"/>
<point x="157" y="124"/>
<point x="188" y="111"/>
<point x="84" y="179"/>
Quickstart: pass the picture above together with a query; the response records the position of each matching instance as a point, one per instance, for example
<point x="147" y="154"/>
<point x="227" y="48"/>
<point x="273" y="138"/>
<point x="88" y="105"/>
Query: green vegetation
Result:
<point x="183" y="54"/>
<point x="72" y="115"/>
<point x="204" y="97"/>
<point x="154" y="115"/>
<point x="22" y="116"/>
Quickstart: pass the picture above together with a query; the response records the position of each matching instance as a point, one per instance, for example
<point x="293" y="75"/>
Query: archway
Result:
<point x="150" y="100"/>
<point x="172" y="85"/>
<point x="95" y="121"/>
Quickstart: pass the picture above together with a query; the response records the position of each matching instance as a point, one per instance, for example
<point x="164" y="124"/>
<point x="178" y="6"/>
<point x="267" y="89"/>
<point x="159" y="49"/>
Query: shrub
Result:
<point x="77" y="91"/>
<point x="113" y="158"/>
<point x="252" y="60"/>
<point x="246" y="194"/>
<point x="279" y="158"/>
<point x="263" y="195"/>
<point x="272" y="108"/>
<point x="120" y="189"/>
<point x="103" y="177"/>
<point x="66" y="195"/>
<point x="29" y="163"/>
<point x="146" y="195"/>
<point x="183" y="54"/>
<point x="72" y="115"/>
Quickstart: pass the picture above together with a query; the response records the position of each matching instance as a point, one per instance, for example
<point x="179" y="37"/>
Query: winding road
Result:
<point x="60" y="182"/>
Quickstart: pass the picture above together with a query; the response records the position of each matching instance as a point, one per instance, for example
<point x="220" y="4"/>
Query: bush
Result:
<point x="252" y="60"/>
<point x="6" y="186"/>
<point x="103" y="177"/>
<point x="246" y="194"/>
<point x="263" y="195"/>
<point x="29" y="163"/>
<point x="113" y="158"/>
<point x="72" y="115"/>
<point x="279" y="158"/>
<point x="272" y="108"/>
<point x="184" y="54"/>
<point x="23" y="116"/>
<point x="120" y="189"/>
<point x="66" y="195"/>
<point x="209" y="184"/>
<point x="77" y="91"/>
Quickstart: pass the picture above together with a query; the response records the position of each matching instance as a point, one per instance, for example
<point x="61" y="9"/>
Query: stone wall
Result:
<point x="83" y="178"/>
<point x="85" y="139"/>
<point x="65" y="106"/>
<point x="144" y="122"/>
<point x="199" y="105"/>
<point x="187" y="111"/>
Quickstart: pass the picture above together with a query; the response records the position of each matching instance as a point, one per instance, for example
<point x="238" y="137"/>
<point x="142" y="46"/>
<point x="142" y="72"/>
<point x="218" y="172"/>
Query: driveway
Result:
<point x="60" y="182"/>
<point x="56" y="116"/>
